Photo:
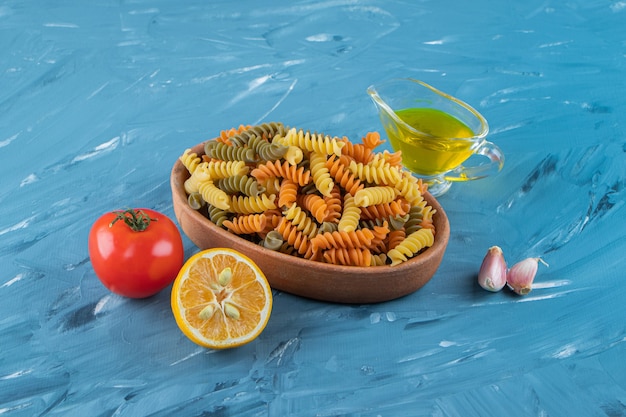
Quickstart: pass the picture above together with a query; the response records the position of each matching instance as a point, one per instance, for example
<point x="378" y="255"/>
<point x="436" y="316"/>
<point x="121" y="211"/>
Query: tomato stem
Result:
<point x="137" y="220"/>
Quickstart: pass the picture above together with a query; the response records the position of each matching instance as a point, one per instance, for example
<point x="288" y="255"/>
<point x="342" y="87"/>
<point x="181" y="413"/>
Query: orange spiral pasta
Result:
<point x="294" y="237"/>
<point x="372" y="140"/>
<point x="361" y="238"/>
<point x="287" y="193"/>
<point x="395" y="238"/>
<point x="246" y="224"/>
<point x="333" y="205"/>
<point x="315" y="204"/>
<point x="346" y="179"/>
<point x="348" y="256"/>
<point x="357" y="152"/>
<point x="378" y="211"/>
<point x="275" y="169"/>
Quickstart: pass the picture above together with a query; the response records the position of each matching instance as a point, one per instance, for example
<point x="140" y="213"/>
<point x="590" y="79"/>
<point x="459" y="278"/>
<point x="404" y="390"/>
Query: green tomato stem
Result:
<point x="137" y="220"/>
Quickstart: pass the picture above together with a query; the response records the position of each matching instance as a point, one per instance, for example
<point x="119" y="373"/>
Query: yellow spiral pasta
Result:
<point x="376" y="172"/>
<point x="223" y="169"/>
<point x="411" y="245"/>
<point x="299" y="218"/>
<point x="312" y="142"/>
<point x="248" y="205"/>
<point x="200" y="173"/>
<point x="213" y="195"/>
<point x="375" y="195"/>
<point x="190" y="160"/>
<point x="321" y="175"/>
<point x="350" y="215"/>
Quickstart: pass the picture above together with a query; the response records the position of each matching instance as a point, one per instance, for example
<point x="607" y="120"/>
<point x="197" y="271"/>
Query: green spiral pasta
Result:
<point x="218" y="150"/>
<point x="240" y="184"/>
<point x="265" y="150"/>
<point x="265" y="131"/>
<point x="217" y="215"/>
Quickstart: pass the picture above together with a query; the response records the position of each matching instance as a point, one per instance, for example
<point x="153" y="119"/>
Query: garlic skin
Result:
<point x="521" y="275"/>
<point x="492" y="274"/>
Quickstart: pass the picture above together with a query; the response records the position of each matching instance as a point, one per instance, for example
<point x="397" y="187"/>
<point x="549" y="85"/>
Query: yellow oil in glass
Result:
<point x="439" y="149"/>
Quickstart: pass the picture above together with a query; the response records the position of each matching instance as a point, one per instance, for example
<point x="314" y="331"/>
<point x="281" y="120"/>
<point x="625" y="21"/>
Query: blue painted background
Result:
<point x="98" y="99"/>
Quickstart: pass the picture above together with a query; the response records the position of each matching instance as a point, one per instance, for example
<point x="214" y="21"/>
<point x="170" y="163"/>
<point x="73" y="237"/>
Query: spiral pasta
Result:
<point x="343" y="176"/>
<point x="190" y="160"/>
<point x="350" y="216"/>
<point x="224" y="169"/>
<point x="348" y="256"/>
<point x="374" y="195"/>
<point x="311" y="195"/>
<point x="361" y="238"/>
<point x="213" y="195"/>
<point x="246" y="224"/>
<point x="200" y="173"/>
<point x="411" y="245"/>
<point x="376" y="171"/>
<point x="224" y="152"/>
<point x="248" y="205"/>
<point x="277" y="169"/>
<point x="263" y="131"/>
<point x="299" y="218"/>
<point x="321" y="175"/>
<point x="313" y="142"/>
<point x="287" y="193"/>
<point x="334" y="205"/>
<point x="315" y="204"/>
<point x="240" y="184"/>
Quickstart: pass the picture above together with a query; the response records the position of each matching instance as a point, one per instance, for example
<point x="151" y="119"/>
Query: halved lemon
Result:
<point x="221" y="299"/>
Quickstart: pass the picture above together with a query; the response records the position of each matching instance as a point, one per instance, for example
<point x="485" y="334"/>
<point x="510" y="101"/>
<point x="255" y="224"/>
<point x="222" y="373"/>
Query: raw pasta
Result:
<point x="311" y="195"/>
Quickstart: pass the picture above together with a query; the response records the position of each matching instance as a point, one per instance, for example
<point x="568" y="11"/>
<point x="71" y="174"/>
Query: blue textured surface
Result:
<point x="98" y="99"/>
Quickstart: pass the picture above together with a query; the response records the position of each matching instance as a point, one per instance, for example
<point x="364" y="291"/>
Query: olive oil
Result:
<point x="437" y="147"/>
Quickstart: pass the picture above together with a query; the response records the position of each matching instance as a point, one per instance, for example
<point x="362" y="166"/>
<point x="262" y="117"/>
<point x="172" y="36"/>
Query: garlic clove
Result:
<point x="521" y="275"/>
<point x="492" y="273"/>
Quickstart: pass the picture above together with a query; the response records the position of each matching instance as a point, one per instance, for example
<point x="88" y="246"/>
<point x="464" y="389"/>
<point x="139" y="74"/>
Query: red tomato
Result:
<point x="135" y="253"/>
